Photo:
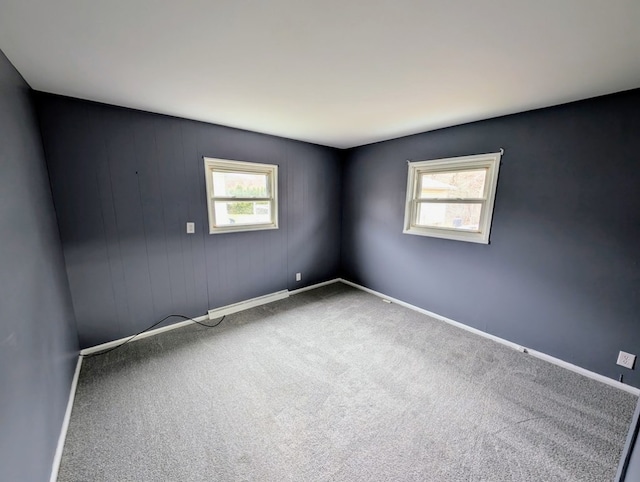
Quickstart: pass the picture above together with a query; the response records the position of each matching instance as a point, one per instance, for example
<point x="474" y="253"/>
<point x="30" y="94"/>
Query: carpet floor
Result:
<point x="334" y="385"/>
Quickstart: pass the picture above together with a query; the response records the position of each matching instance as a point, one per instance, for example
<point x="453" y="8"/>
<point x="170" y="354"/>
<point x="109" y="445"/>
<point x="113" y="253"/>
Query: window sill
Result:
<point x="241" y="228"/>
<point x="468" y="236"/>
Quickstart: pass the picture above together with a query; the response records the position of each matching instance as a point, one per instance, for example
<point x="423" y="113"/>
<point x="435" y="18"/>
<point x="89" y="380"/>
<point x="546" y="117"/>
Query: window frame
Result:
<point x="212" y="164"/>
<point x="490" y="161"/>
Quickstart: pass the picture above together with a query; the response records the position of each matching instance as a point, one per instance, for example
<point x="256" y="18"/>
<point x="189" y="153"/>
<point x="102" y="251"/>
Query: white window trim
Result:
<point x="211" y="164"/>
<point x="490" y="161"/>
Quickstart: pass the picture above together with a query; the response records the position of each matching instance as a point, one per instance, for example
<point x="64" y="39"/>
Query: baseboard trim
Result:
<point x="515" y="346"/>
<point x="57" y="458"/>
<point x="146" y="334"/>
<point x="313" y="287"/>
<point x="245" y="305"/>
<point x="584" y="372"/>
<point x="261" y="300"/>
<point x="212" y="314"/>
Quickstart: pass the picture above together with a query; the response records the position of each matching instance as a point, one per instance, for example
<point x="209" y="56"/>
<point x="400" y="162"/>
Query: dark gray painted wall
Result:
<point x="38" y="340"/>
<point x="561" y="274"/>
<point x="125" y="183"/>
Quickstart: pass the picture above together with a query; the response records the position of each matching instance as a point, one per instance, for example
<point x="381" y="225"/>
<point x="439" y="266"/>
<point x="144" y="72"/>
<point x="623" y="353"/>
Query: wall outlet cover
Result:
<point x="298" y="276"/>
<point x="191" y="228"/>
<point x="626" y="359"/>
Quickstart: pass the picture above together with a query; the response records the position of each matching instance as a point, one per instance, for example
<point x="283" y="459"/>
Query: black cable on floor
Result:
<point x="152" y="326"/>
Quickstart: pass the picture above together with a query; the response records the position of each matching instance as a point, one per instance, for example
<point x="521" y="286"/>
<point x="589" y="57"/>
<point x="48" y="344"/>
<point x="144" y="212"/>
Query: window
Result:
<point x="452" y="198"/>
<point x="241" y="196"/>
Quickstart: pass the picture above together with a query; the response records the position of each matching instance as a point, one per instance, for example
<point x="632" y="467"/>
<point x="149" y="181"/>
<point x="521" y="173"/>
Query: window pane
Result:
<point x="230" y="213"/>
<point x="465" y="217"/>
<point x="240" y="184"/>
<point x="453" y="184"/>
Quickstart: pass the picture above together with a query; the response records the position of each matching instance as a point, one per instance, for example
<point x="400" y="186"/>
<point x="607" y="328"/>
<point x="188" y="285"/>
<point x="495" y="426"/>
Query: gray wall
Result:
<point x="125" y="183"/>
<point x="38" y="341"/>
<point x="561" y="273"/>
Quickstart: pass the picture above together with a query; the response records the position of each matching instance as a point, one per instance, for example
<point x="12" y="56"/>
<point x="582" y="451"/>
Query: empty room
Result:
<point x="319" y="241"/>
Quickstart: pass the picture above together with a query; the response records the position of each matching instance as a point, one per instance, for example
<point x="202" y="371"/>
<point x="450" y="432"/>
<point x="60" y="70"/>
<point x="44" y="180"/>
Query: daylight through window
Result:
<point x="452" y="198"/>
<point x="241" y="196"/>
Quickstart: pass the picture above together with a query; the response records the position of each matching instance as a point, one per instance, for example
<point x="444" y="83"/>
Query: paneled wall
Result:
<point x="125" y="183"/>
<point x="38" y="341"/>
<point x="561" y="274"/>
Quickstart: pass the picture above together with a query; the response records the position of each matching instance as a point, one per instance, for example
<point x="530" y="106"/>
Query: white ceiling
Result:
<point x="335" y="72"/>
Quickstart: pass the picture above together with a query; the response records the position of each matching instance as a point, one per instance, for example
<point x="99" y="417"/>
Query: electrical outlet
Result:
<point x="298" y="276"/>
<point x="626" y="359"/>
<point x="191" y="228"/>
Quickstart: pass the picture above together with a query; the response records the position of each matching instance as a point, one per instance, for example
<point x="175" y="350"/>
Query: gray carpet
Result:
<point x="333" y="384"/>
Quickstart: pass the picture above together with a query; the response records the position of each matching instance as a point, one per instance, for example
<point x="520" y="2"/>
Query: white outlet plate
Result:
<point x="626" y="359"/>
<point x="298" y="276"/>
<point x="191" y="228"/>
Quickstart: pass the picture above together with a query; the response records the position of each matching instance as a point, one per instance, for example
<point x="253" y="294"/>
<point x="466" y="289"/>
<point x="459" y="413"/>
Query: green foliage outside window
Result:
<point x="240" y="208"/>
<point x="240" y="190"/>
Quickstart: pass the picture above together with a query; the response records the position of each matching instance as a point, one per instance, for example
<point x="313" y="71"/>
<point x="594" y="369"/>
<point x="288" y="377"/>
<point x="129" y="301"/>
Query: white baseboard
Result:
<point x="584" y="371"/>
<point x="57" y="458"/>
<point x="313" y="287"/>
<point x="146" y="334"/>
<point x="212" y="315"/>
<point x="245" y="305"/>
<point x="261" y="300"/>
<point x="537" y="354"/>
